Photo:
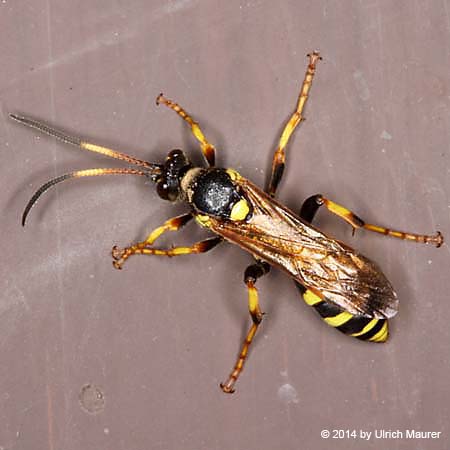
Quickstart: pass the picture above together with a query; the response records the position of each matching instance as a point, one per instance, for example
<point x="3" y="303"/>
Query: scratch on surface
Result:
<point x="446" y="13"/>
<point x="13" y="306"/>
<point x="174" y="6"/>
<point x="52" y="111"/>
<point x="361" y="85"/>
<point x="380" y="31"/>
<point x="107" y="40"/>
<point x="4" y="122"/>
<point x="50" y="417"/>
<point x="181" y="76"/>
<point x="58" y="239"/>
<point x="374" y="389"/>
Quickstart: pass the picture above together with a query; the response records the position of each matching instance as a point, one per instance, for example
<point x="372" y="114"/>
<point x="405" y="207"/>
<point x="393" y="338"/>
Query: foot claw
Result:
<point x="119" y="256"/>
<point x="116" y="253"/>
<point x="314" y="57"/>
<point x="158" y="99"/>
<point x="438" y="239"/>
<point x="226" y="388"/>
<point x="117" y="265"/>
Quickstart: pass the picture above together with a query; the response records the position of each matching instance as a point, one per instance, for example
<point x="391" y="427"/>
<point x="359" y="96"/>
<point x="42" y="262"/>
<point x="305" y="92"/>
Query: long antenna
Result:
<point x="77" y="174"/>
<point x="149" y="170"/>
<point x="62" y="136"/>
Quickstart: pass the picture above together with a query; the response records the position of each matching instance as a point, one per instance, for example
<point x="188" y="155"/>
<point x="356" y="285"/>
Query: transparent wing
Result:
<point x="331" y="269"/>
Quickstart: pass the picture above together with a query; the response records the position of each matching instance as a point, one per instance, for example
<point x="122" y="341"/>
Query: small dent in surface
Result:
<point x="92" y="399"/>
<point x="385" y="135"/>
<point x="288" y="394"/>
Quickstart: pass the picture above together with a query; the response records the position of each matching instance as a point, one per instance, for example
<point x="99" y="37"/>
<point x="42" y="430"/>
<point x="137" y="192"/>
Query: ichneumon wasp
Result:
<point x="348" y="290"/>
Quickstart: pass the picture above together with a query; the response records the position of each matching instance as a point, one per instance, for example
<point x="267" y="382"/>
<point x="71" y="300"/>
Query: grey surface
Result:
<point x="147" y="347"/>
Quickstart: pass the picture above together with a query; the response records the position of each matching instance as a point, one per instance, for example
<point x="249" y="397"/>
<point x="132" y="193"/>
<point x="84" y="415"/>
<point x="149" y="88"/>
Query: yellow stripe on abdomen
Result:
<point x="364" y="328"/>
<point x="382" y="335"/>
<point x="338" y="320"/>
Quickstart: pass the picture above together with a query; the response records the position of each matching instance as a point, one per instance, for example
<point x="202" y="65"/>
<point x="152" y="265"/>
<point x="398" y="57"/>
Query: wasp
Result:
<point x="347" y="290"/>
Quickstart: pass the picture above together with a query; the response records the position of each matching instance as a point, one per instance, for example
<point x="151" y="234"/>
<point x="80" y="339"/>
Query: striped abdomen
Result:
<point x="364" y="328"/>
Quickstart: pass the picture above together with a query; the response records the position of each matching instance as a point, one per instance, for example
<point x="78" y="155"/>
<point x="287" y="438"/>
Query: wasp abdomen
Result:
<point x="364" y="328"/>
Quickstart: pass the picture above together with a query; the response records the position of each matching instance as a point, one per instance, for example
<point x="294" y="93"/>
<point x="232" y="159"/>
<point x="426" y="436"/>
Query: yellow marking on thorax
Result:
<point x="240" y="210"/>
<point x="233" y="174"/>
<point x="203" y="220"/>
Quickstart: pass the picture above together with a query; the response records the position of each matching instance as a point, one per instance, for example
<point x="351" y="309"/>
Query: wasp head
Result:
<point x="173" y="170"/>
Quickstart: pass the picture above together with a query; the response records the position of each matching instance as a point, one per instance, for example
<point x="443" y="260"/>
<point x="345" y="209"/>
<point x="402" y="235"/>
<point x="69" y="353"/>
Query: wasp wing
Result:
<point x="329" y="268"/>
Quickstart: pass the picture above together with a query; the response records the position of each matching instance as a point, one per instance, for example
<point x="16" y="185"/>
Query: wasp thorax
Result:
<point x="213" y="192"/>
<point x="176" y="165"/>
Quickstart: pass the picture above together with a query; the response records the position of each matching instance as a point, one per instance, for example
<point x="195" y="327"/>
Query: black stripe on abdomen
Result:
<point x="364" y="328"/>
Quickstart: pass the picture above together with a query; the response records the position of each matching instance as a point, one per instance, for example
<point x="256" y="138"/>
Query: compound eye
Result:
<point x="175" y="153"/>
<point x="167" y="192"/>
<point x="163" y="190"/>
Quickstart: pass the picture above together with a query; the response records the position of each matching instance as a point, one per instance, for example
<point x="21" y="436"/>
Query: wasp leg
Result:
<point x="309" y="209"/>
<point x="279" y="157"/>
<point x="173" y="224"/>
<point x="120" y="255"/>
<point x="252" y="273"/>
<point x="208" y="150"/>
<point x="357" y="222"/>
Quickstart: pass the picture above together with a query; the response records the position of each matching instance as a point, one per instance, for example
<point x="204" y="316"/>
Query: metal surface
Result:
<point x="96" y="358"/>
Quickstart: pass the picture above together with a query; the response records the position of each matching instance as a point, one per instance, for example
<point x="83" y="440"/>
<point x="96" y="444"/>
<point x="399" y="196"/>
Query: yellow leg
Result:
<point x="252" y="273"/>
<point x="121" y="255"/>
<point x="228" y="387"/>
<point x="279" y="158"/>
<point x="357" y="222"/>
<point x="208" y="149"/>
<point x="173" y="224"/>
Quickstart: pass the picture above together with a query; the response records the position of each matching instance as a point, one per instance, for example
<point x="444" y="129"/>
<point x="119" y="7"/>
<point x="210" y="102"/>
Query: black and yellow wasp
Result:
<point x="347" y="289"/>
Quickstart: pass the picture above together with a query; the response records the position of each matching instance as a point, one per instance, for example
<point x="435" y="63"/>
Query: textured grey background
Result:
<point x="154" y="341"/>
